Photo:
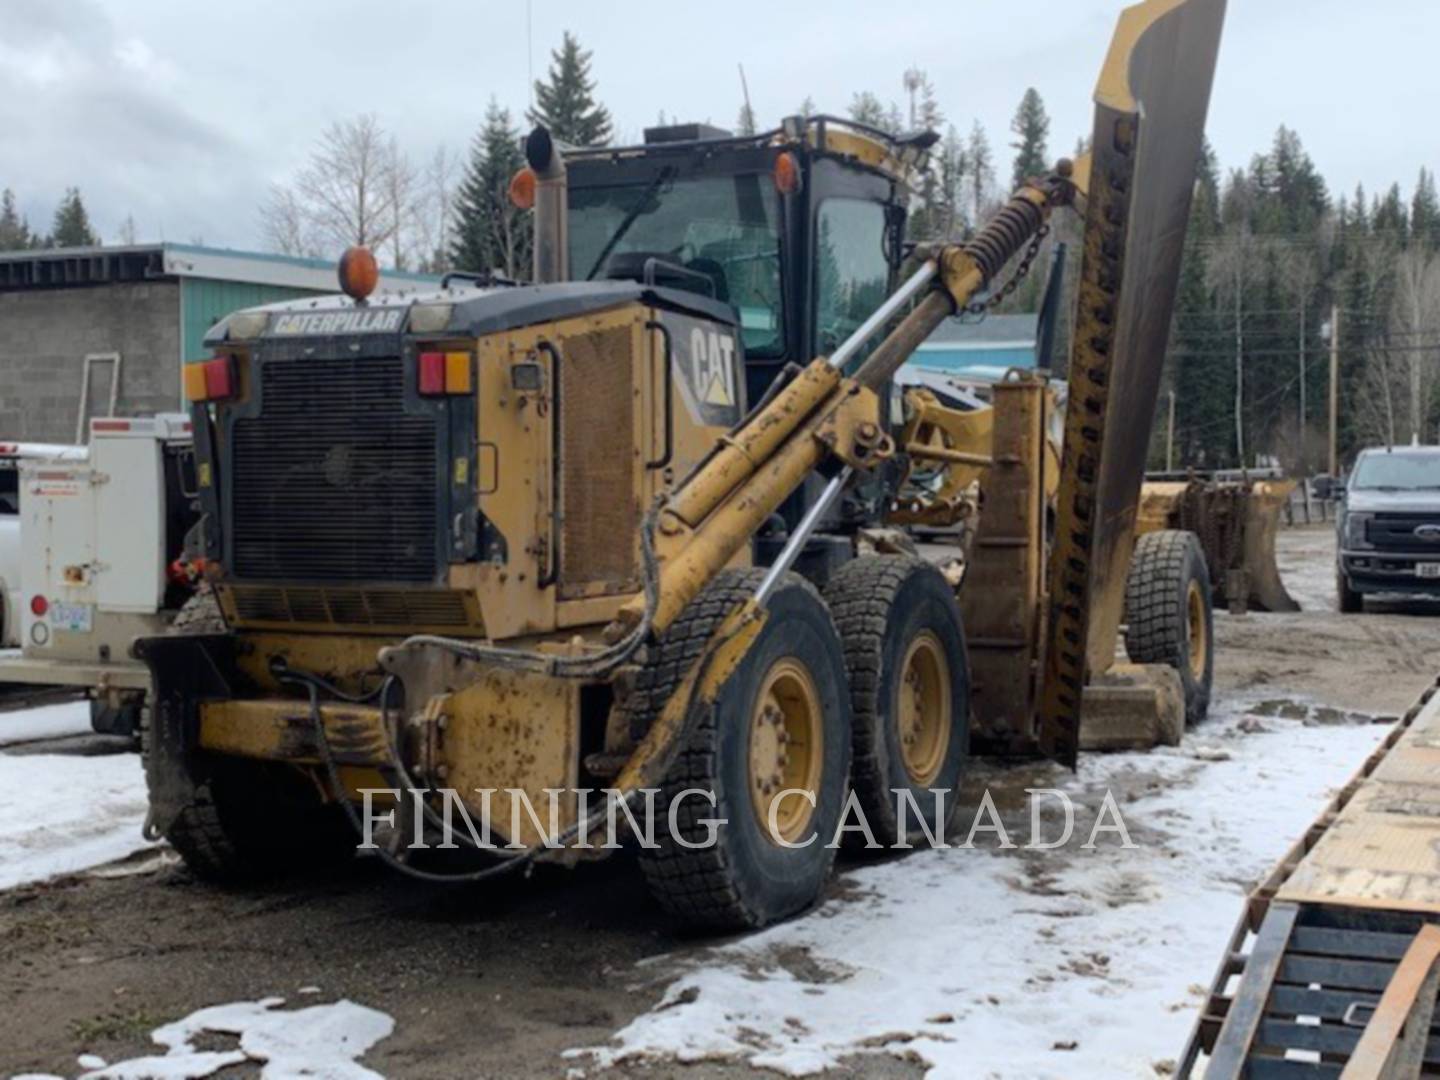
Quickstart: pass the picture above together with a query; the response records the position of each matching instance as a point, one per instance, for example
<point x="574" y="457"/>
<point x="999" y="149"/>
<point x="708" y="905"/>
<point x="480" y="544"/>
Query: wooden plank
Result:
<point x="1392" y="1048"/>
<point x="1383" y="848"/>
<point x="1232" y="1048"/>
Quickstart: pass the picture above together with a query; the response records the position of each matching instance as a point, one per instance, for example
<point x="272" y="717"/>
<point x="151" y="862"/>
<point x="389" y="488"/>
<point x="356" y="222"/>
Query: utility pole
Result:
<point x="1239" y="370"/>
<point x="1300" y="446"/>
<point x="1170" y="437"/>
<point x="1334" y="387"/>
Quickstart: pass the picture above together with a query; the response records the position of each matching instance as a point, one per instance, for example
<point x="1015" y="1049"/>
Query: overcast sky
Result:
<point x="183" y="114"/>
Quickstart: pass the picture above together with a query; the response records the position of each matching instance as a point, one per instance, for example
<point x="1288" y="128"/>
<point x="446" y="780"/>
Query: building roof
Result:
<point x="60" y="267"/>
<point x="985" y="335"/>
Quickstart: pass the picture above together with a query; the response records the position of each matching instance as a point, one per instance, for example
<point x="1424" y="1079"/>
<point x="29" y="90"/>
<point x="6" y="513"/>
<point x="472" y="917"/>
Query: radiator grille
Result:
<point x="1396" y="532"/>
<point x="600" y="514"/>
<point x="334" y="481"/>
<point x="352" y="607"/>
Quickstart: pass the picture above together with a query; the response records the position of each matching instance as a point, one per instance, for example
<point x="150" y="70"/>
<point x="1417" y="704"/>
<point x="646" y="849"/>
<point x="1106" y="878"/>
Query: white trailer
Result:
<point x="100" y="533"/>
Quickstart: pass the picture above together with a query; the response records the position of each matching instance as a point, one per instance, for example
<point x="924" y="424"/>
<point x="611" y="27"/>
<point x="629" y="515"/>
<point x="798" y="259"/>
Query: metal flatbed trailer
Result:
<point x="1333" y="968"/>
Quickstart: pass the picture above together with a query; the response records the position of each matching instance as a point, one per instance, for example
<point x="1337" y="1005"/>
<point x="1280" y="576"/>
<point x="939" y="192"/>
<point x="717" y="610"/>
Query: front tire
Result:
<point x="1168" y="613"/>
<point x="1347" y="599"/>
<point x="780" y="722"/>
<point x="245" y="821"/>
<point x="909" y="691"/>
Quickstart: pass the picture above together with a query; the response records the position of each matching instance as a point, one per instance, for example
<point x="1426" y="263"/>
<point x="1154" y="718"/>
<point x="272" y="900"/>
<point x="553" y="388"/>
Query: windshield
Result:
<point x="1397" y="471"/>
<point x="723" y="228"/>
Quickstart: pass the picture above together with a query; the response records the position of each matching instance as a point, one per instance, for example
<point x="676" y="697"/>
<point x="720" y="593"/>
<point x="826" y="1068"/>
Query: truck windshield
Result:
<point x="723" y="228"/>
<point x="1397" y="471"/>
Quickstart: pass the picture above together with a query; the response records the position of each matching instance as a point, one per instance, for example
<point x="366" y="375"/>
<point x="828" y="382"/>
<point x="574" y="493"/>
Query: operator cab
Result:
<point x="799" y="229"/>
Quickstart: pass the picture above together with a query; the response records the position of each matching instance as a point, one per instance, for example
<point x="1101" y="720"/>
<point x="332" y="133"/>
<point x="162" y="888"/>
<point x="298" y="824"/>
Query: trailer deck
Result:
<point x="1343" y="959"/>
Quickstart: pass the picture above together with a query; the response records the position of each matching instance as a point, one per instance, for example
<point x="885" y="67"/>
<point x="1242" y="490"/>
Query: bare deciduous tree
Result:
<point x="357" y="188"/>
<point x="1414" y="321"/>
<point x="285" y="225"/>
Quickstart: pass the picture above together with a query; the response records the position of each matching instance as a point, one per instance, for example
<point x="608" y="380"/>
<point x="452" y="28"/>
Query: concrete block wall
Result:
<point x="45" y="335"/>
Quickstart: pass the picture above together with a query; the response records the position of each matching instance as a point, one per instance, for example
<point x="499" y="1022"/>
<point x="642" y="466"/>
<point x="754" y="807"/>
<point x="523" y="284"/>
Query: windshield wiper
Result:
<point x="629" y="219"/>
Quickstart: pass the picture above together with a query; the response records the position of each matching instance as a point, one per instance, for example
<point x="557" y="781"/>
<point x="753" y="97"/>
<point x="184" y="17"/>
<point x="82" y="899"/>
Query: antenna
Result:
<point x="745" y="90"/>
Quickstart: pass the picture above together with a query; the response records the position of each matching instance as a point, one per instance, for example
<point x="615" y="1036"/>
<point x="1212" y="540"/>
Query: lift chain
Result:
<point x="1022" y="271"/>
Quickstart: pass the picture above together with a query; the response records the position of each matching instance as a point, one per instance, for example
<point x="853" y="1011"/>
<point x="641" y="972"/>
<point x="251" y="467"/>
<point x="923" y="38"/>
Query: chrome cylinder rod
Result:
<point x="883" y="314"/>
<point x="796" y="543"/>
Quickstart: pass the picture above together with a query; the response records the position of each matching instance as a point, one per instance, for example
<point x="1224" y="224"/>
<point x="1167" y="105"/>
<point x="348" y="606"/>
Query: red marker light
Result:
<point x="39" y="606"/>
<point x="432" y="373"/>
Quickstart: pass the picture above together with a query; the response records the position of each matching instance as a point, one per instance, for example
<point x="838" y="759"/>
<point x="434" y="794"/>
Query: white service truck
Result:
<point x="12" y="455"/>
<point x="102" y="537"/>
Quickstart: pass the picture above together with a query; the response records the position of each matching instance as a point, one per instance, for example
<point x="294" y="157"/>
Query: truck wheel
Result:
<point x="247" y="820"/>
<point x="1347" y="599"/>
<point x="909" y="690"/>
<point x="781" y="721"/>
<point x="1168" y="615"/>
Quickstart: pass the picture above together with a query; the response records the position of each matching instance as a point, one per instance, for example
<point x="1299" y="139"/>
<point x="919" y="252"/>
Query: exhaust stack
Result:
<point x="552" y="235"/>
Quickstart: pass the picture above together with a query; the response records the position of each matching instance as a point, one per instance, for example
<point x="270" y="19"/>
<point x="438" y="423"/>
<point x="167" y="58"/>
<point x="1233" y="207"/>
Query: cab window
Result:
<point x="852" y="275"/>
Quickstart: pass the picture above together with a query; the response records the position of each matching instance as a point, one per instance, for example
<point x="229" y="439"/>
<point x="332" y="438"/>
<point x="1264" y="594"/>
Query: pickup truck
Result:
<point x="1389" y="526"/>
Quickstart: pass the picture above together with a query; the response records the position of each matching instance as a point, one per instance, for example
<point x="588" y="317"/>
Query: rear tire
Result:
<point x="784" y="713"/>
<point x="1168" y="613"/>
<point x="909" y="690"/>
<point x="1347" y="599"/>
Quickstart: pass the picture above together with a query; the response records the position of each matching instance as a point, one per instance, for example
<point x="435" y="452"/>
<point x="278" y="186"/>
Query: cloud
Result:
<point x="83" y="105"/>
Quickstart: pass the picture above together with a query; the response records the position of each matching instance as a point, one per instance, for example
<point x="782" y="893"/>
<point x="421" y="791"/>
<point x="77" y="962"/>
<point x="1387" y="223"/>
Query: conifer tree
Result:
<point x="71" y="227"/>
<point x="565" y="102"/>
<point x="490" y="232"/>
<point x="14" y="231"/>
<point x="1031" y="128"/>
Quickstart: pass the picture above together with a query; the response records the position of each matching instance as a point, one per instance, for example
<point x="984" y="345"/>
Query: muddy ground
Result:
<point x="498" y="980"/>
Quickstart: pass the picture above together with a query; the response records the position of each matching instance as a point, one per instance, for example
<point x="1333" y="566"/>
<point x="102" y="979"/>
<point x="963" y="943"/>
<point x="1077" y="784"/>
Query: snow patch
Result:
<point x="321" y="1042"/>
<point x="45" y="722"/>
<point x="60" y="813"/>
<point x="1065" y="963"/>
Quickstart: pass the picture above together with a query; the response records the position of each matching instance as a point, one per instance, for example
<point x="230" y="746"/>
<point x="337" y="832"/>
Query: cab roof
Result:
<point x="896" y="156"/>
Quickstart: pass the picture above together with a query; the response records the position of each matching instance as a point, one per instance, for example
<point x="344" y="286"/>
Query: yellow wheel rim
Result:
<point x="1197" y="640"/>
<point x="922" y="715"/>
<point x="787" y="746"/>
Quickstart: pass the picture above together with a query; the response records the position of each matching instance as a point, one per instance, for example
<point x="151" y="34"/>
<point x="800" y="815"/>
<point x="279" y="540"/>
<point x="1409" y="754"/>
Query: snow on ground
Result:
<point x="321" y="1042"/>
<point x="1065" y="963"/>
<point x="62" y="813"/>
<point x="44" y="722"/>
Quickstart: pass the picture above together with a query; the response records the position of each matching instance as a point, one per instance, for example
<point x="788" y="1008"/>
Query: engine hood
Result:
<point x="1398" y="502"/>
<point x="472" y="311"/>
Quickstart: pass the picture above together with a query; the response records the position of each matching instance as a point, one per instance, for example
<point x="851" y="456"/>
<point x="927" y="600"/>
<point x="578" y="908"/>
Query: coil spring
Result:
<point x="1005" y="235"/>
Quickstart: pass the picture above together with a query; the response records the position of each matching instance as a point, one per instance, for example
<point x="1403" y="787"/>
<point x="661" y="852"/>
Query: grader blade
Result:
<point x="1236" y="523"/>
<point x="1151" y="103"/>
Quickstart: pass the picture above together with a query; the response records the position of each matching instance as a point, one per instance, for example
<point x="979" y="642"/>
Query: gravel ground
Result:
<point x="501" y="980"/>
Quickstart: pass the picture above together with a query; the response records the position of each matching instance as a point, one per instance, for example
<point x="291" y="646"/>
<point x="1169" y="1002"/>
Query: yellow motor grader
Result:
<point x="622" y="528"/>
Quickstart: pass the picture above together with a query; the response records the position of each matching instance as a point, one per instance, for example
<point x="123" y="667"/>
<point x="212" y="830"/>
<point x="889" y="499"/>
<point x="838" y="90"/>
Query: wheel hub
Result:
<point x="922" y="715"/>
<point x="786" y="749"/>
<point x="1197" y="641"/>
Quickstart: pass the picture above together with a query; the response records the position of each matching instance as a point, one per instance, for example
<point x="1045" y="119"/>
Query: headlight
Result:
<point x="244" y="325"/>
<point x="430" y="318"/>
<point x="1355" y="530"/>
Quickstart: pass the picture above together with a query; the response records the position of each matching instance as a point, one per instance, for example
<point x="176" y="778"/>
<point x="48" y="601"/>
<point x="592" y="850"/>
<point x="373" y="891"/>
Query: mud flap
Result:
<point x="1151" y="103"/>
<point x="184" y="671"/>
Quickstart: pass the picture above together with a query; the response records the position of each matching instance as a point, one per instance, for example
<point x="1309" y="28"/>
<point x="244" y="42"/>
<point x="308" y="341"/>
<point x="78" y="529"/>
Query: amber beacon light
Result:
<point x="359" y="273"/>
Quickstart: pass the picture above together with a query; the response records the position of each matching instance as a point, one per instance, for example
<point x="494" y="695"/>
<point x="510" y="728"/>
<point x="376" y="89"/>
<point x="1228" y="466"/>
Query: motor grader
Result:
<point x="622" y="528"/>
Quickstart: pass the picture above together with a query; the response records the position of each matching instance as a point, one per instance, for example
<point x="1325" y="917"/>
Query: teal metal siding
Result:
<point x="204" y="302"/>
<point x="943" y="359"/>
